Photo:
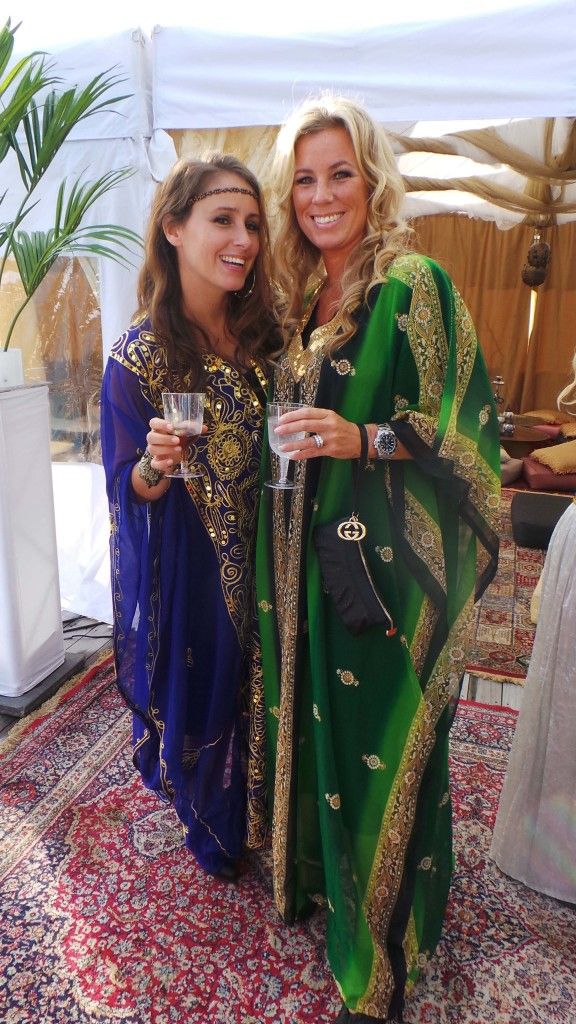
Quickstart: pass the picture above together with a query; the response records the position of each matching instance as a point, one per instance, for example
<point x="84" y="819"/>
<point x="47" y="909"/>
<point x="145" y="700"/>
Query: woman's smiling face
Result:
<point x="219" y="241"/>
<point x="329" y="193"/>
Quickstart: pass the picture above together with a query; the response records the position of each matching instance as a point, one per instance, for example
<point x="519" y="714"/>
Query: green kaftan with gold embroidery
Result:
<point x="358" y="725"/>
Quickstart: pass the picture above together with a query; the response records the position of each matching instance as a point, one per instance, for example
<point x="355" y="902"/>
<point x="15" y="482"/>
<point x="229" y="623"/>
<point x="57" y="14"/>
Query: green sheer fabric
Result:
<point x="358" y="726"/>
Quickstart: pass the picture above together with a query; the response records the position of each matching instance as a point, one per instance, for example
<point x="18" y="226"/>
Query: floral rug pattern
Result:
<point x="104" y="916"/>
<point x="503" y="631"/>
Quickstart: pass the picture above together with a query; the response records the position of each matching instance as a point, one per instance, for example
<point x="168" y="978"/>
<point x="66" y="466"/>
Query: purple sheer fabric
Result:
<point x="184" y="631"/>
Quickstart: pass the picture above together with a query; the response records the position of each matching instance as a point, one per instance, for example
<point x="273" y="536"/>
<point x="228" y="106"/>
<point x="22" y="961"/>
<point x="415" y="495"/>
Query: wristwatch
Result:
<point x="385" y="441"/>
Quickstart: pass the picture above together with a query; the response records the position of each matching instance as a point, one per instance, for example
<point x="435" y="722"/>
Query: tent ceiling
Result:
<point x="515" y="62"/>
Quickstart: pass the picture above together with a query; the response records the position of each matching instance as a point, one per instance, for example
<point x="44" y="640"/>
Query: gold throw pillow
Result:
<point x="552" y="416"/>
<point x="560" y="458"/>
<point x="568" y="429"/>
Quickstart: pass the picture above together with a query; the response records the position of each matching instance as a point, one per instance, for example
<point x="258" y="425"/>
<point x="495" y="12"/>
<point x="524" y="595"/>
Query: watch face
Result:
<point x="385" y="442"/>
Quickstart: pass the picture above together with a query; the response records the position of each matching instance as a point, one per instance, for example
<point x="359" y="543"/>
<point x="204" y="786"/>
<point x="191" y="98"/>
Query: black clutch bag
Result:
<point x="344" y="568"/>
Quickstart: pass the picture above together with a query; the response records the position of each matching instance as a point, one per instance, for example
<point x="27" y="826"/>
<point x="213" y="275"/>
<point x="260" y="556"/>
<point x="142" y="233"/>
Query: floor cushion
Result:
<point x="534" y="517"/>
<point x="553" y="430"/>
<point x="541" y="478"/>
<point x="561" y="458"/>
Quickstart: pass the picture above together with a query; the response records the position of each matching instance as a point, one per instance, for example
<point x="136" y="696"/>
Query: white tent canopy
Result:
<point x="515" y="62"/>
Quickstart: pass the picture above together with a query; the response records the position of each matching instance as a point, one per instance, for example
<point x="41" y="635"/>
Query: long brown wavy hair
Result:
<point x="298" y="264"/>
<point x="249" y="317"/>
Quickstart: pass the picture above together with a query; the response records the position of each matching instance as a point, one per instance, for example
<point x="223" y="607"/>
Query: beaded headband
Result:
<point x="217" y="191"/>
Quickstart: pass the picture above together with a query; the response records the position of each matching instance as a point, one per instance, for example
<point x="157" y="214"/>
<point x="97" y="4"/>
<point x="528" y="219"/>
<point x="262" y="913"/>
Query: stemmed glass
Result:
<point x="185" y="412"/>
<point x="274" y="411"/>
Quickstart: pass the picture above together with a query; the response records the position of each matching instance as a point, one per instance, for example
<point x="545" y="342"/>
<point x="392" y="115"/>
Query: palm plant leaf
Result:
<point x="36" y="252"/>
<point x="47" y="125"/>
<point x="30" y="76"/>
<point x="6" y="45"/>
<point x="18" y="86"/>
<point x="71" y="210"/>
<point x="35" y="121"/>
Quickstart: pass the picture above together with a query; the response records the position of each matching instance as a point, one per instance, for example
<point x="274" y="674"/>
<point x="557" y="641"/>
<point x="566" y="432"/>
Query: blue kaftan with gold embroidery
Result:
<point x="185" y="638"/>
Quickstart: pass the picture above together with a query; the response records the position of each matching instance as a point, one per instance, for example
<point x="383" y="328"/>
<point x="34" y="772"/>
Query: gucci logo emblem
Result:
<point x="351" y="529"/>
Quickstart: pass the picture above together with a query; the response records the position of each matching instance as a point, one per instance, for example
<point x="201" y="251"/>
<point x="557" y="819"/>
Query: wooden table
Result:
<point x="524" y="440"/>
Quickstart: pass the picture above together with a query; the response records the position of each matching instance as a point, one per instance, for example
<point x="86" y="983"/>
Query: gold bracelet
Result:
<point x="149" y="475"/>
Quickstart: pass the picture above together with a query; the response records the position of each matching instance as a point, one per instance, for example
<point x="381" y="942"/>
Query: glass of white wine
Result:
<point x="274" y="411"/>
<point x="185" y="412"/>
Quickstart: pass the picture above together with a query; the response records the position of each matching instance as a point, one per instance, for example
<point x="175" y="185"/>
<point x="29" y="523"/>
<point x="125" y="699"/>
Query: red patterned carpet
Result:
<point x="105" y="918"/>
<point x="504" y="634"/>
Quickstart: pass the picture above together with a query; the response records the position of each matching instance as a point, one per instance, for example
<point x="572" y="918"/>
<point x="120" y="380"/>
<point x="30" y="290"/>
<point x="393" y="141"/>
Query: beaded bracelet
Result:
<point x="149" y="475"/>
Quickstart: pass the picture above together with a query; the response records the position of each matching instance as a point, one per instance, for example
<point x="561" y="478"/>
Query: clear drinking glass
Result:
<point x="185" y="411"/>
<point x="274" y="411"/>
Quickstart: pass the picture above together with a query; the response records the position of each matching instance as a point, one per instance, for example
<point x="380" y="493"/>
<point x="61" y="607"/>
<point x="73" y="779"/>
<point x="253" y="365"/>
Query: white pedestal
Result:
<point x="11" y="369"/>
<point x="31" y="635"/>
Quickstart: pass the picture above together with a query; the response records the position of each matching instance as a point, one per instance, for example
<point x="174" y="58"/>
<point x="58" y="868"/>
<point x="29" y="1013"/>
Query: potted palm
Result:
<point x="36" y="118"/>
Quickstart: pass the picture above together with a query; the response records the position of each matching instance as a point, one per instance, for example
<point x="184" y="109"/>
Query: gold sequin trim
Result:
<point x="287" y="573"/>
<point x="343" y="367"/>
<point x="347" y="677"/>
<point x="373" y="762"/>
<point x="300" y="359"/>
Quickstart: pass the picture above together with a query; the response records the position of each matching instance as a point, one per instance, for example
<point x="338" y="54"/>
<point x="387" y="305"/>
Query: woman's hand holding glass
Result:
<point x="275" y="413"/>
<point x="315" y="432"/>
<point x="169" y="438"/>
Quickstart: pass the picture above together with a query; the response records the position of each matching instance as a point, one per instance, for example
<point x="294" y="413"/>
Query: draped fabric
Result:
<point x="526" y="335"/>
<point x="485" y="264"/>
<point x="185" y="641"/>
<point x="358" y="726"/>
<point x="534" y="836"/>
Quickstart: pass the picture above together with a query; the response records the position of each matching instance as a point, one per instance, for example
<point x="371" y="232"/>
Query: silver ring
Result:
<point x="318" y="440"/>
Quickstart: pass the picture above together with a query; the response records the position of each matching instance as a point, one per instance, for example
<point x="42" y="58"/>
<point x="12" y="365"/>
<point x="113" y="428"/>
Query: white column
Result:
<point x="31" y="635"/>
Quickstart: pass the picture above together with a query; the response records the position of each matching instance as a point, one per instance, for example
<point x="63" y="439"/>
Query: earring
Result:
<point x="246" y="294"/>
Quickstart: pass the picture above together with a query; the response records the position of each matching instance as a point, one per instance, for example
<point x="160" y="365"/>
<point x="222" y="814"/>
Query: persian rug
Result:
<point x="105" y="917"/>
<point x="503" y="630"/>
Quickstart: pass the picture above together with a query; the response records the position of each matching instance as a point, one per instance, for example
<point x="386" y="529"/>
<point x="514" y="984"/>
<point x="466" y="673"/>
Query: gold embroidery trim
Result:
<point x="300" y="359"/>
<point x="397" y="822"/>
<point x="287" y="573"/>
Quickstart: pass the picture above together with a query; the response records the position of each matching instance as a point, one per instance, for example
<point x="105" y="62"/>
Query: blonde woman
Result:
<point x="382" y="352"/>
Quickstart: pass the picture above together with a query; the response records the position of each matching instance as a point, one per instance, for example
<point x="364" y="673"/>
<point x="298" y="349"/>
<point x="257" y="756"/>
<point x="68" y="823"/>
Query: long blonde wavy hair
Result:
<point x="298" y="263"/>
